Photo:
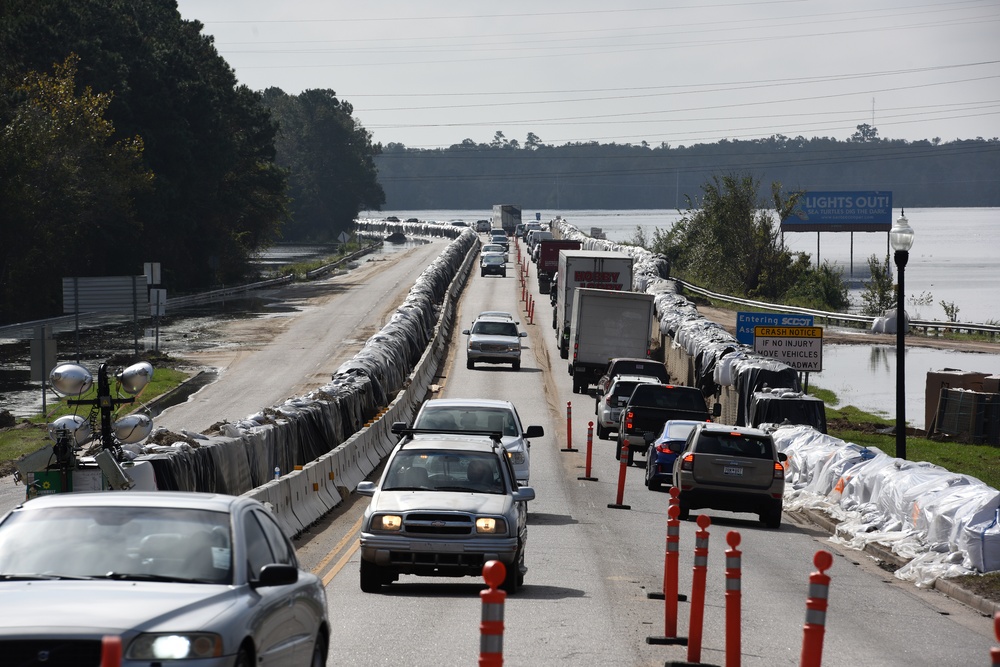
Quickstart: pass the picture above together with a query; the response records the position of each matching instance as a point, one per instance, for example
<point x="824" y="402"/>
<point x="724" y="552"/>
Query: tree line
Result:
<point x="125" y="138"/>
<point x="471" y="175"/>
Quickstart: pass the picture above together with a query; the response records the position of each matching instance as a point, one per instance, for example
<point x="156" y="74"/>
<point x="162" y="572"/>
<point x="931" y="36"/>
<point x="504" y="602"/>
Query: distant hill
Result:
<point x="614" y="176"/>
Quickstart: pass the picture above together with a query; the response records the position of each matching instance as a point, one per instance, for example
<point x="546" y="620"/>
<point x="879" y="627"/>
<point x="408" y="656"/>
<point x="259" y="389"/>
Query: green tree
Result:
<point x="879" y="293"/>
<point x="330" y="163"/>
<point x="68" y="189"/>
<point x="731" y="241"/>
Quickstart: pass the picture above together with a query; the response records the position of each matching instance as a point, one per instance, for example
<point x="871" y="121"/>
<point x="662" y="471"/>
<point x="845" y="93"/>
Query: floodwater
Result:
<point x="865" y="375"/>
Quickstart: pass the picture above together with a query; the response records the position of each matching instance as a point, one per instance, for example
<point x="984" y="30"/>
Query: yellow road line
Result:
<point x="350" y="541"/>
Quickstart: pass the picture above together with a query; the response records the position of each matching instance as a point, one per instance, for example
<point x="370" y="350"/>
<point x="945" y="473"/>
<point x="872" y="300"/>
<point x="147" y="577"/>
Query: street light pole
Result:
<point x="901" y="239"/>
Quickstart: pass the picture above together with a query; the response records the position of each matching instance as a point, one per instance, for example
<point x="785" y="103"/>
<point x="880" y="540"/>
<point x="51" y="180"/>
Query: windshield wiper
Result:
<point x="139" y="576"/>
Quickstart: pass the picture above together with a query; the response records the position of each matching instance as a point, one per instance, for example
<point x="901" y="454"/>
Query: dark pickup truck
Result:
<point x="649" y="407"/>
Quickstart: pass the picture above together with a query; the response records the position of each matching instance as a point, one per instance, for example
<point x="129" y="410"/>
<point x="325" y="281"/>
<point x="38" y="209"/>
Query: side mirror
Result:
<point x="677" y="446"/>
<point x="649" y="437"/>
<point x="465" y="332"/>
<point x="534" y="432"/>
<point x="276" y="574"/>
<point x="717" y="410"/>
<point x="522" y="334"/>
<point x="595" y="392"/>
<point x="398" y="427"/>
<point x="366" y="488"/>
<point x="782" y="457"/>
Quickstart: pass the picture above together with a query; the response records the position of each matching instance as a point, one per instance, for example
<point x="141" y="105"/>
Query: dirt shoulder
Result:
<point x="727" y="318"/>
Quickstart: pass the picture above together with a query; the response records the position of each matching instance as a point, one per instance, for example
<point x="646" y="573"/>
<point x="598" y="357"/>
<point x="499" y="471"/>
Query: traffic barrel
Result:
<point x="670" y="570"/>
<point x="815" y="626"/>
<point x="734" y="596"/>
<point x="491" y="622"/>
<point x="569" y="427"/>
<point x="995" y="652"/>
<point x="698" y="579"/>
<point x="590" y="453"/>
<point x="111" y="651"/>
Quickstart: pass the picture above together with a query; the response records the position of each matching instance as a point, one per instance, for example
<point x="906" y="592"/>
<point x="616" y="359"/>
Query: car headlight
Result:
<point x="392" y="523"/>
<point x="516" y="457"/>
<point x="182" y="646"/>
<point x="491" y="526"/>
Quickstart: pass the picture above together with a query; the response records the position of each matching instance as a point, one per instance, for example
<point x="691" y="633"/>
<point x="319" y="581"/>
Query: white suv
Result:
<point x="494" y="340"/>
<point x="609" y="405"/>
<point x="484" y="416"/>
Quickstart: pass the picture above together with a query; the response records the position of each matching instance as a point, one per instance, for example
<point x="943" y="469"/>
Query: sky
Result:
<point x="433" y="73"/>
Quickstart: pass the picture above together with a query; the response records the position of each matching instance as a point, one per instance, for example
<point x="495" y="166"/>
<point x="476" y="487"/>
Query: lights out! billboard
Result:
<point x="862" y="211"/>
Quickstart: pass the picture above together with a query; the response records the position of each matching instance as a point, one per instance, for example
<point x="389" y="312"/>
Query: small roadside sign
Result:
<point x="800" y="348"/>
<point x="746" y="322"/>
<point x="344" y="237"/>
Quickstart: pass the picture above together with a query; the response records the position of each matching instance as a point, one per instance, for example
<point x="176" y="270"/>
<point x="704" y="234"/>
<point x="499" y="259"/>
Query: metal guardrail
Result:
<point x="847" y="319"/>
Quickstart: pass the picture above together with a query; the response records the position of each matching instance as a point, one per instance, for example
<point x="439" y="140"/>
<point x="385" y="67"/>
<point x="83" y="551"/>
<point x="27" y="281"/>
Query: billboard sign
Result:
<point x="862" y="211"/>
<point x="746" y="322"/>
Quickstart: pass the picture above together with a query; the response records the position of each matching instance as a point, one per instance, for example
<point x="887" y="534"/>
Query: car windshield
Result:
<point x="678" y="431"/>
<point x="492" y="247"/>
<point x="495" y="328"/>
<point x="460" y="418"/>
<point x="446" y="470"/>
<point x="492" y="259"/>
<point x="129" y="543"/>
<point x="734" y="444"/>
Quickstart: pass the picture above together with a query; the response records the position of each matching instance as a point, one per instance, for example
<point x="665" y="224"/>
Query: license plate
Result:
<point x="735" y="471"/>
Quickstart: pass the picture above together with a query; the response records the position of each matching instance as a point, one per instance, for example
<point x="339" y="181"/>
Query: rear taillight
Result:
<point x="628" y="419"/>
<point x="779" y="470"/>
<point x="687" y="463"/>
<point x="607" y="400"/>
<point x="663" y="448"/>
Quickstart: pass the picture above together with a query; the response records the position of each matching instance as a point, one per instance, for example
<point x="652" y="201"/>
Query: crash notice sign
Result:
<point x="800" y="348"/>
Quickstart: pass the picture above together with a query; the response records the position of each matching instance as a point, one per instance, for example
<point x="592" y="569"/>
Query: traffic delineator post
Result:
<point x="111" y="651"/>
<point x="669" y="595"/>
<point x="815" y="625"/>
<point x="995" y="651"/>
<point x="698" y="580"/>
<point x="569" y="428"/>
<point x="622" y="467"/>
<point x="491" y="621"/>
<point x="590" y="453"/>
<point x="734" y="597"/>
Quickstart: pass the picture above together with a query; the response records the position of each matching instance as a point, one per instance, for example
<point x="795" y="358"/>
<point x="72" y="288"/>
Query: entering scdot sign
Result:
<point x="800" y="348"/>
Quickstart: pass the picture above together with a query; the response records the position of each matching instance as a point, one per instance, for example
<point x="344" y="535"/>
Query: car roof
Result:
<point x="496" y="313"/>
<point x="217" y="502"/>
<point x="469" y="402"/>
<point x="650" y="379"/>
<point x="490" y="318"/>
<point x="728" y="428"/>
<point x="457" y="442"/>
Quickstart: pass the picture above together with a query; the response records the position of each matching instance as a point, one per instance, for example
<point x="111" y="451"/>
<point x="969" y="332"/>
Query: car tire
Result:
<point x="602" y="433"/>
<point x="371" y="577"/>
<point x="513" y="579"/>
<point x="244" y="658"/>
<point x="651" y="482"/>
<point x="771" y="517"/>
<point x="685" y="510"/>
<point x="470" y="364"/>
<point x="482" y="274"/>
<point x="319" y="651"/>
<point x="631" y="456"/>
<point x="516" y="365"/>
<point x="618" y="450"/>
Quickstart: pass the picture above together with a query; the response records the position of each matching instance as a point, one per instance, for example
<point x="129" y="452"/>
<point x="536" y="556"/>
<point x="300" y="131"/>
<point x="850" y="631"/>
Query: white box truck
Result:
<point x="606" y="324"/>
<point x="506" y="217"/>
<point x="594" y="269"/>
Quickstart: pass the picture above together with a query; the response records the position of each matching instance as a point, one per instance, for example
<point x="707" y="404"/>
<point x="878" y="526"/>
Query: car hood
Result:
<point x="455" y="501"/>
<point x="70" y="606"/>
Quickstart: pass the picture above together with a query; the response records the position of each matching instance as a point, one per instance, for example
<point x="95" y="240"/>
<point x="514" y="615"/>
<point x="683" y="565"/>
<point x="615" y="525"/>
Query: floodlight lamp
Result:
<point x="135" y="378"/>
<point x="133" y="428"/>
<point x="75" y="426"/>
<point x="70" y="379"/>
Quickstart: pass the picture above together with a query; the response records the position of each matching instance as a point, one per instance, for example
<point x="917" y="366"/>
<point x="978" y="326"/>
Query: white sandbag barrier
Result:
<point x="323" y="444"/>
<point x="944" y="524"/>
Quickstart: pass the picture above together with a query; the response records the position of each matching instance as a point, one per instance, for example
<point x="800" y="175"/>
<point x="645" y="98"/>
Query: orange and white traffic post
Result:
<point x="734" y="597"/>
<point x="590" y="453"/>
<point x="670" y="595"/>
<point x="699" y="577"/>
<point x="569" y="428"/>
<point x="815" y="626"/>
<point x="491" y="622"/>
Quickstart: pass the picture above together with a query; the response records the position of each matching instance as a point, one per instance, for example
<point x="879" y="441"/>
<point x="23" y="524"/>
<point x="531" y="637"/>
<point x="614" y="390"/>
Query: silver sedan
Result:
<point x="175" y="576"/>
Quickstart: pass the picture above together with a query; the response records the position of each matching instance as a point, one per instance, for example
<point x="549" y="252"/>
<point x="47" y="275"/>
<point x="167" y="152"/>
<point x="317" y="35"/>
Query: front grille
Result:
<point x="495" y="347"/>
<point x="438" y="524"/>
<point x="51" y="652"/>
<point x="434" y="561"/>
